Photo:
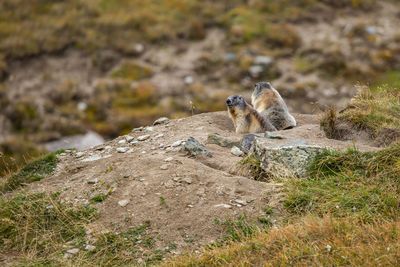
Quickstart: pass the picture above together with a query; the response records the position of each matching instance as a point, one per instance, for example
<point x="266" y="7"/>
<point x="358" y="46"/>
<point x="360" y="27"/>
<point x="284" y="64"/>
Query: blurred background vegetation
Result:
<point x="69" y="67"/>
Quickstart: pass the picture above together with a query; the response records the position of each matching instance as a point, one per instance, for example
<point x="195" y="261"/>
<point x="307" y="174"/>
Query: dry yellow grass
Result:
<point x="310" y="242"/>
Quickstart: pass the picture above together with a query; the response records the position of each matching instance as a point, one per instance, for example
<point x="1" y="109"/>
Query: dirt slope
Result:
<point x="179" y="195"/>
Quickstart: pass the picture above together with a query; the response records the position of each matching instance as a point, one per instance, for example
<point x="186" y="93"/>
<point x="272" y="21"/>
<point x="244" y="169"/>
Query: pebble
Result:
<point x="149" y="129"/>
<point x="128" y="138"/>
<point x="158" y="136"/>
<point x="328" y="248"/>
<point x="236" y="151"/>
<point x="223" y="206"/>
<point x="90" y="247"/>
<point x="127" y="174"/>
<point x="143" y="137"/>
<point x="123" y="202"/>
<point x="133" y="142"/>
<point x="201" y="191"/>
<point x="122" y="149"/>
<point x="169" y="159"/>
<point x="164" y="167"/>
<point x="162" y="120"/>
<point x="177" y="143"/>
<point x="187" y="180"/>
<point x="79" y="154"/>
<point x="92" y="181"/>
<point x="123" y="141"/>
<point x="241" y="202"/>
<point x="188" y="79"/>
<point x="139" y="48"/>
<point x="73" y="250"/>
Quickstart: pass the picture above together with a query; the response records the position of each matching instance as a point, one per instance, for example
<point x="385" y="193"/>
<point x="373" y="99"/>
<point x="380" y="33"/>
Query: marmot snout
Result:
<point x="245" y="118"/>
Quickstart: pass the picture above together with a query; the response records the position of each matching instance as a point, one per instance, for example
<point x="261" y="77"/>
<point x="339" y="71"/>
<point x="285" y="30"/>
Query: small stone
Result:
<point x="337" y="207"/>
<point x="127" y="174"/>
<point x="123" y="141"/>
<point x="354" y="208"/>
<point x="79" y="154"/>
<point x="73" y="250"/>
<point x="241" y="202"/>
<point x="149" y="129"/>
<point x="263" y="60"/>
<point x="122" y="149"/>
<point x="158" y="136"/>
<point x="123" y="202"/>
<point x="236" y="151"/>
<point x="139" y="129"/>
<point x="188" y="79"/>
<point x="226" y="206"/>
<point x="128" y="138"/>
<point x="90" y="247"/>
<point x="169" y="159"/>
<point x="82" y="106"/>
<point x="133" y="142"/>
<point x="164" y="167"/>
<point x="162" y="120"/>
<point x="199" y="128"/>
<point x="93" y="181"/>
<point x="187" y="180"/>
<point x="190" y="206"/>
<point x="143" y="137"/>
<point x="139" y="48"/>
<point x="328" y="248"/>
<point x="177" y="143"/>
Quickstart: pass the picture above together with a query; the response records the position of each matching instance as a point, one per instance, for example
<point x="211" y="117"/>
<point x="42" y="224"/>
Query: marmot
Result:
<point x="245" y="118"/>
<point x="269" y="103"/>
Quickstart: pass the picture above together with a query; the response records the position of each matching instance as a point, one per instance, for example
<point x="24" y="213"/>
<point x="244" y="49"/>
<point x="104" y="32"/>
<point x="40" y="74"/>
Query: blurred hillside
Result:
<point x="67" y="67"/>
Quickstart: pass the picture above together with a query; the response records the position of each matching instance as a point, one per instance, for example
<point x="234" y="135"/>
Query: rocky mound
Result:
<point x="150" y="176"/>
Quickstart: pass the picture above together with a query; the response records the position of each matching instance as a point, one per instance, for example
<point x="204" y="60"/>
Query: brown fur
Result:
<point x="249" y="120"/>
<point x="271" y="105"/>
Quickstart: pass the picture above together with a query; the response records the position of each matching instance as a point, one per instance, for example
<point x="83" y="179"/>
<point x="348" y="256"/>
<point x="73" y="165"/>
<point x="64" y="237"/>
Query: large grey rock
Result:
<point x="220" y="140"/>
<point x="194" y="148"/>
<point x="284" y="158"/>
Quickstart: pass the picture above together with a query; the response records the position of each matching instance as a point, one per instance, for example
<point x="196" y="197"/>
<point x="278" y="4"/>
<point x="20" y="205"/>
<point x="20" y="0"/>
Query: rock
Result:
<point x="79" y="155"/>
<point x="139" y="48"/>
<point x="92" y="181"/>
<point x="90" y="247"/>
<point x="247" y="141"/>
<point x="139" y="129"/>
<point x="255" y="71"/>
<point x="286" y="158"/>
<point x="128" y="138"/>
<point x="164" y="167"/>
<point x="201" y="191"/>
<point x="149" y="129"/>
<point x="271" y="135"/>
<point x="123" y="202"/>
<point x="82" y="106"/>
<point x="188" y="79"/>
<point x="123" y="141"/>
<point x="226" y="206"/>
<point x="127" y="174"/>
<point x="73" y="250"/>
<point x="162" y="120"/>
<point x="241" y="202"/>
<point x="169" y="159"/>
<point x="194" y="148"/>
<point x="220" y="140"/>
<point x="92" y="158"/>
<point x="263" y="60"/>
<point x="187" y="180"/>
<point x="177" y="143"/>
<point x="158" y="136"/>
<point x="122" y="149"/>
<point x="143" y="137"/>
<point x="236" y="151"/>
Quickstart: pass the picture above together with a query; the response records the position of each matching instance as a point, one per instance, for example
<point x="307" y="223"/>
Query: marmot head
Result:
<point x="259" y="87"/>
<point x="236" y="101"/>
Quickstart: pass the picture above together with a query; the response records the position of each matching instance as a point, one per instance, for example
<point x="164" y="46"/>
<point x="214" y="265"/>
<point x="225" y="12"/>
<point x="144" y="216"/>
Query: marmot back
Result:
<point x="245" y="118"/>
<point x="269" y="103"/>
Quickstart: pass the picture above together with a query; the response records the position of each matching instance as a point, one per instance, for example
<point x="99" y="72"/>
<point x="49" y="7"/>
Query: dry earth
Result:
<point x="181" y="196"/>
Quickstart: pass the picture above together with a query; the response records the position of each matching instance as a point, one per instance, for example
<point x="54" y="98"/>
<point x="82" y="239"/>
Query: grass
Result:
<point x="372" y="110"/>
<point x="33" y="225"/>
<point x="352" y="184"/>
<point x="32" y="172"/>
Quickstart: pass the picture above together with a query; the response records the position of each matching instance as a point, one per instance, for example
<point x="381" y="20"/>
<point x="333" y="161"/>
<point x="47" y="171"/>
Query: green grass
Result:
<point x="375" y="111"/>
<point x="352" y="184"/>
<point x="32" y="172"/>
<point x="33" y="225"/>
<point x="253" y="165"/>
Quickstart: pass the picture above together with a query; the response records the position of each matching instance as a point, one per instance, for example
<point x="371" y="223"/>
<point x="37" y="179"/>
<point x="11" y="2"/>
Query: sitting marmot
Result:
<point x="245" y="118"/>
<point x="268" y="102"/>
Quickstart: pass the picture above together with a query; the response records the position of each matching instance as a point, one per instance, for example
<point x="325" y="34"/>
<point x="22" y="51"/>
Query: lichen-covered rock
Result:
<point x="194" y="148"/>
<point x="285" y="159"/>
<point x="220" y="140"/>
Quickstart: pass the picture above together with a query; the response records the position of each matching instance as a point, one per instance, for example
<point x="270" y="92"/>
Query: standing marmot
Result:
<point x="269" y="103"/>
<point x="245" y="118"/>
